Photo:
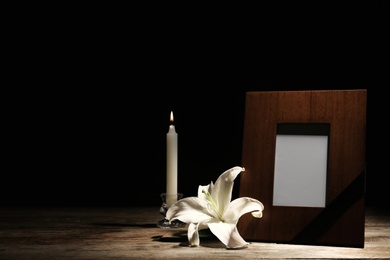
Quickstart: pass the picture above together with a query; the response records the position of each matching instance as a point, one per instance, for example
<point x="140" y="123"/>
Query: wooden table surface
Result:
<point x="131" y="233"/>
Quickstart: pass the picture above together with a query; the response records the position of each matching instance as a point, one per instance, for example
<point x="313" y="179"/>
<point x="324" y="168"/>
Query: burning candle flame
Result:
<point x="171" y="117"/>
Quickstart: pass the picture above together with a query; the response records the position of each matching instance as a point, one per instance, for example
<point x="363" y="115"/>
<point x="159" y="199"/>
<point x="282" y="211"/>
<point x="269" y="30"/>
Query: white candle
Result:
<point x="171" y="164"/>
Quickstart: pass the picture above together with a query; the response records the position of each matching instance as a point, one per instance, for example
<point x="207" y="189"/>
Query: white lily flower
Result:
<point x="213" y="209"/>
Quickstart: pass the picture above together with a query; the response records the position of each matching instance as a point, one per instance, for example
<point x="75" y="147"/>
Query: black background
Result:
<point x="88" y="93"/>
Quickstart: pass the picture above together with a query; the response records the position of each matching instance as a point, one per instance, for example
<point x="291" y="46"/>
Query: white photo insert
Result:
<point x="300" y="170"/>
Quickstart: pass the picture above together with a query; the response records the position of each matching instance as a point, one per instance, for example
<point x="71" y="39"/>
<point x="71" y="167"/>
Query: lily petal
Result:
<point x="241" y="206"/>
<point x="228" y="234"/>
<point x="221" y="192"/>
<point x="193" y="234"/>
<point x="187" y="210"/>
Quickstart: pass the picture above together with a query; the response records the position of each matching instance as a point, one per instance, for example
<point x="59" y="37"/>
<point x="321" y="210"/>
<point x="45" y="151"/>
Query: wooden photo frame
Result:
<point x="335" y="215"/>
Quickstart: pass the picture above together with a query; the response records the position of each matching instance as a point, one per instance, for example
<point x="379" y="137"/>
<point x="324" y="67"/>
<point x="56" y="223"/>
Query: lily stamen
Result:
<point x="215" y="207"/>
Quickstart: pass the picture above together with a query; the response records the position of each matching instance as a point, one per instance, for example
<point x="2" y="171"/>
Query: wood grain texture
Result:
<point x="129" y="233"/>
<point x="341" y="222"/>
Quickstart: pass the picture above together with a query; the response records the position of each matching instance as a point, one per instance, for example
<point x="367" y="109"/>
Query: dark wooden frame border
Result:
<point x="341" y="222"/>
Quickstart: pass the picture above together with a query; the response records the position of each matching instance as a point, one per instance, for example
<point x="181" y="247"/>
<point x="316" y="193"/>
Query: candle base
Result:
<point x="164" y="223"/>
